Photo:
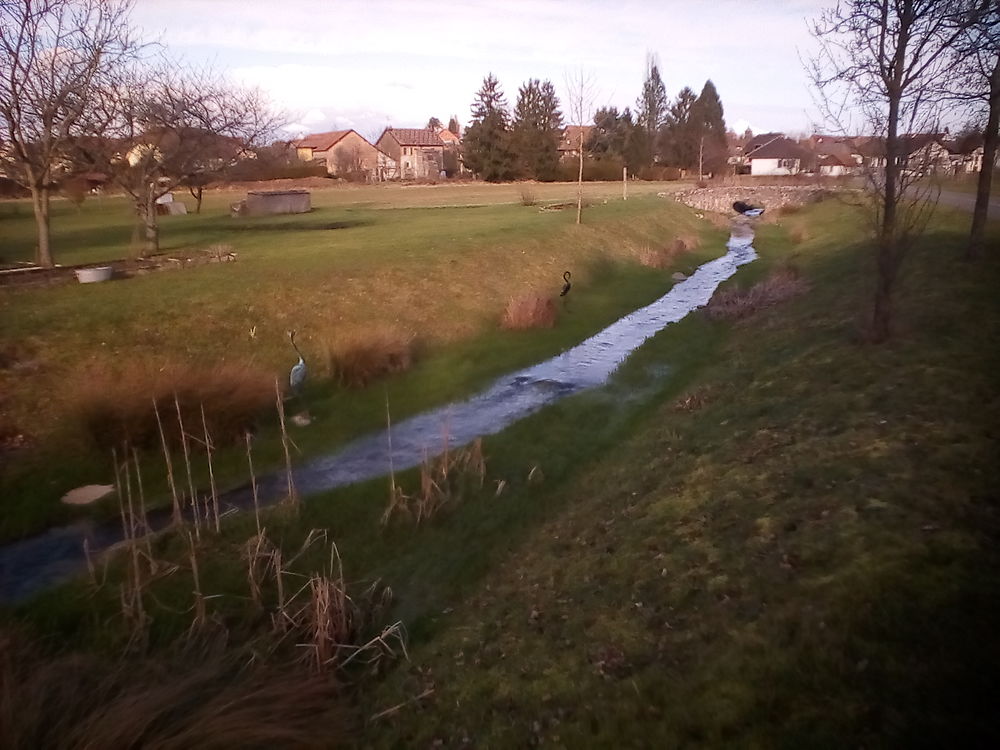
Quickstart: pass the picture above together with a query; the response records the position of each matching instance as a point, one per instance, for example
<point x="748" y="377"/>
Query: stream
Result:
<point x="35" y="563"/>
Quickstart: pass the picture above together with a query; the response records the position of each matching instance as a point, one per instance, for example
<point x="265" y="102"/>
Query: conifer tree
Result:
<point x="536" y="130"/>
<point x="486" y="147"/>
<point x="651" y="106"/>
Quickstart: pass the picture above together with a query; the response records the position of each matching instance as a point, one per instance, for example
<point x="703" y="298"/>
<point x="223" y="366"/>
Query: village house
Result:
<point x="419" y="152"/>
<point x="347" y="154"/>
<point x="775" y="154"/>
<point x="569" y="142"/>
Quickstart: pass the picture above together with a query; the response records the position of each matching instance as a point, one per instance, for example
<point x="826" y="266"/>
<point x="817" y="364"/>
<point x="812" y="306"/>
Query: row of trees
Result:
<point x="79" y="91"/>
<point x="688" y="133"/>
<point x="500" y="145"/>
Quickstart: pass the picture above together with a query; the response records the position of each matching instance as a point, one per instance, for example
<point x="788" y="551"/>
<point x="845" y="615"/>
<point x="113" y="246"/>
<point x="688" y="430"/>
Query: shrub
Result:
<point x="356" y="359"/>
<point x="733" y="303"/>
<point x="115" y="405"/>
<point x="528" y="311"/>
<point x="528" y="197"/>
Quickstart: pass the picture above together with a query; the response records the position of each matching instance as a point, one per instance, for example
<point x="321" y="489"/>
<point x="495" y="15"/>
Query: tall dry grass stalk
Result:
<point x="442" y="481"/>
<point x="253" y="483"/>
<point x="292" y="497"/>
<point x="177" y="516"/>
<point x="211" y="473"/>
<point x="195" y="511"/>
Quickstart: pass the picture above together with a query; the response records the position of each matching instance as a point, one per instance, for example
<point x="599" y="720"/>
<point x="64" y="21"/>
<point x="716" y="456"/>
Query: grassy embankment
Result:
<point x="790" y="540"/>
<point x="350" y="269"/>
<point x="806" y="556"/>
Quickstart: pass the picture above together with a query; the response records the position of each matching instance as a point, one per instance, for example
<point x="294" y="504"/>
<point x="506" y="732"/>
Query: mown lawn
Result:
<point x="438" y="276"/>
<point x="762" y="533"/>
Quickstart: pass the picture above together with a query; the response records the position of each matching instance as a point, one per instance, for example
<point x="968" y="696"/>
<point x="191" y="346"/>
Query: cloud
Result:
<point x="402" y="61"/>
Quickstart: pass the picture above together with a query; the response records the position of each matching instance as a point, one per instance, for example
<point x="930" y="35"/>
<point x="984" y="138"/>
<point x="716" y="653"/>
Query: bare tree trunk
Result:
<point x="887" y="249"/>
<point x="990" y="138"/>
<point x="152" y="228"/>
<point x="196" y="193"/>
<point x="579" y="184"/>
<point x="40" y="203"/>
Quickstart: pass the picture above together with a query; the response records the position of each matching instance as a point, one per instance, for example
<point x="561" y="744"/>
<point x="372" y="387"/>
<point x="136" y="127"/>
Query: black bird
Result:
<point x="566" y="286"/>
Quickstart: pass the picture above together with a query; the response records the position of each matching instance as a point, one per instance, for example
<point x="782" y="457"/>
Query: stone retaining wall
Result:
<point x="771" y="197"/>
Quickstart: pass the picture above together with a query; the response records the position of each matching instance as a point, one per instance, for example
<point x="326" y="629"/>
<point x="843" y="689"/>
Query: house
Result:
<point x="964" y="155"/>
<point x="835" y="166"/>
<point x="346" y="153"/>
<point x="569" y="142"/>
<point x="835" y="155"/>
<point x="419" y="152"/>
<point x="449" y="138"/>
<point x="777" y="156"/>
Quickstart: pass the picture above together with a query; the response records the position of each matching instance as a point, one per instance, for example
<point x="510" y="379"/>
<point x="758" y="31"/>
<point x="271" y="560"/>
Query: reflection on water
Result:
<point x="35" y="563"/>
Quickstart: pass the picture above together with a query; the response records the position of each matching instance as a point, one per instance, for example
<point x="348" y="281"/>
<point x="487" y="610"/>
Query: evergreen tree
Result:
<point x="434" y="124"/>
<point x="710" y="127"/>
<point x="651" y="106"/>
<point x="453" y="125"/>
<point x="617" y="136"/>
<point x="536" y="130"/>
<point x="486" y="147"/>
<point x="680" y="136"/>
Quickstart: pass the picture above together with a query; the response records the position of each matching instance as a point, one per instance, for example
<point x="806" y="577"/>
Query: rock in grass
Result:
<point x="678" y="276"/>
<point x="87" y="494"/>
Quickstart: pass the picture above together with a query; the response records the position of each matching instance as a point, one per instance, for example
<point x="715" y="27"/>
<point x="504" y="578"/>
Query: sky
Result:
<point x="367" y="64"/>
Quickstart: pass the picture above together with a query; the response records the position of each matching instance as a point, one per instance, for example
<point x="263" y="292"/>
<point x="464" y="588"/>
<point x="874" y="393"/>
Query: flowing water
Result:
<point x="32" y="564"/>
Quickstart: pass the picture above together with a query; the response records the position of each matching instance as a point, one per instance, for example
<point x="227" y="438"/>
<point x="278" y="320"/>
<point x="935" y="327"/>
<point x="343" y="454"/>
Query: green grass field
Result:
<point x="761" y="533"/>
<point x="440" y="276"/>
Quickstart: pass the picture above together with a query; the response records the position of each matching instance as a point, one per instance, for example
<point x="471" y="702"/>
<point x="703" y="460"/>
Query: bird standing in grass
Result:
<point x="297" y="376"/>
<point x="567" y="285"/>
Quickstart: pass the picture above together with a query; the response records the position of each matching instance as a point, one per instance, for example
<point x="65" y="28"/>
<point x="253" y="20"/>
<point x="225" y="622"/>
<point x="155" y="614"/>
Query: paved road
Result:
<point x="967" y="201"/>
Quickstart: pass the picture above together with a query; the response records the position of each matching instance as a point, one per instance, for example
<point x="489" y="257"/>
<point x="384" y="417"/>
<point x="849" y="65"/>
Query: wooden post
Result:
<point x="624" y="183"/>
<point x="701" y="154"/>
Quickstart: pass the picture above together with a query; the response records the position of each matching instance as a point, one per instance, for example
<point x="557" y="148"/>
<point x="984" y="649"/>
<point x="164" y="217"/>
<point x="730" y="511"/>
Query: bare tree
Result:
<point x="55" y="55"/>
<point x="977" y="65"/>
<point x="172" y="129"/>
<point x="880" y="70"/>
<point x="580" y="96"/>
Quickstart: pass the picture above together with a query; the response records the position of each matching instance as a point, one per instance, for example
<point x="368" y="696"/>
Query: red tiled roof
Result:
<point x="834" y="161"/>
<point x="448" y="137"/>
<point x="570" y="140"/>
<point x="321" y="141"/>
<point x="415" y="136"/>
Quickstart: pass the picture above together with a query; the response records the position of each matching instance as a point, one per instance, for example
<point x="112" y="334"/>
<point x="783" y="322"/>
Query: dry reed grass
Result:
<point x="204" y="697"/>
<point x="733" y="302"/>
<point x="358" y="357"/>
<point x="528" y="311"/>
<point x="115" y="405"/>
<point x="443" y="480"/>
<point x="663" y="257"/>
<point x="528" y="195"/>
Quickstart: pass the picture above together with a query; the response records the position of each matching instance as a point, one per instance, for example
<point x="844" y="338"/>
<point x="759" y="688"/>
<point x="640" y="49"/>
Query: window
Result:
<point x="787" y="163"/>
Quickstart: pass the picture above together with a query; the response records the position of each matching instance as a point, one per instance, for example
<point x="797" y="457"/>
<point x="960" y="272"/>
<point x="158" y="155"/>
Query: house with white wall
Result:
<point x="778" y="156"/>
